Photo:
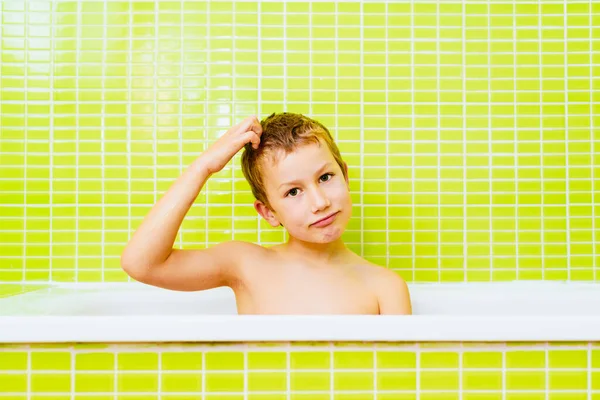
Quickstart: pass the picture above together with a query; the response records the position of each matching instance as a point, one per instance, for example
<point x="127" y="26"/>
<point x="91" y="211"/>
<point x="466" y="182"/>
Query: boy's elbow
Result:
<point x="132" y="267"/>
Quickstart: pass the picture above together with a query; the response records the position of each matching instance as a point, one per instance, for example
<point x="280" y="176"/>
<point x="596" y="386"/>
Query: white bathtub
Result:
<point x="133" y="312"/>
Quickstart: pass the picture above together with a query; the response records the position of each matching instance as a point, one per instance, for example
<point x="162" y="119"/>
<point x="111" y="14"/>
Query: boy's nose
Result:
<point x="319" y="201"/>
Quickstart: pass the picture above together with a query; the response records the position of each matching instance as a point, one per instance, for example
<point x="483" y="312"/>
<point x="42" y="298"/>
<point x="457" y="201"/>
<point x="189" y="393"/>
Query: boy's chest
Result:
<point x="297" y="290"/>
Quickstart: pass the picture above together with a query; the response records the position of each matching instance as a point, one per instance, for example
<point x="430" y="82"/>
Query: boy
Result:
<point x="300" y="182"/>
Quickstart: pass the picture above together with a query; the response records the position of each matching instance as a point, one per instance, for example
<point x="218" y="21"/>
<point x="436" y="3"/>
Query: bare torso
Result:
<point x="272" y="283"/>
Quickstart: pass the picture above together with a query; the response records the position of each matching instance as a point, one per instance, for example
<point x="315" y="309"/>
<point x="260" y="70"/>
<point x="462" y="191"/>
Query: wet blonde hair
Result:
<point x="283" y="132"/>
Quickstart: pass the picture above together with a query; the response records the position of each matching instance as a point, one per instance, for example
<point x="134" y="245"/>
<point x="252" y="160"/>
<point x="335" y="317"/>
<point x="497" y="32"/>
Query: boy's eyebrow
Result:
<point x="324" y="166"/>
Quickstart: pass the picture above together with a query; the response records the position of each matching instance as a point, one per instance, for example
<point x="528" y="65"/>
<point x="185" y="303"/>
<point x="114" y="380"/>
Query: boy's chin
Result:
<point x="320" y="237"/>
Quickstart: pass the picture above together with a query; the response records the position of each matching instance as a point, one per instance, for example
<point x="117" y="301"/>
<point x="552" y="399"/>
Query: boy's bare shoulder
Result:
<point x="242" y="249"/>
<point x="390" y="288"/>
<point x="376" y="273"/>
<point x="245" y="252"/>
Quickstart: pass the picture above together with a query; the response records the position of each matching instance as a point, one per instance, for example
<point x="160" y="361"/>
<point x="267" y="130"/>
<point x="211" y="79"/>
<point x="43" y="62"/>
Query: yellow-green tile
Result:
<point x="224" y="361"/>
<point x="94" y="382"/>
<point x="439" y="360"/>
<point x="267" y="381"/>
<point x="482" y="359"/>
<point x="181" y="382"/>
<point x="224" y="382"/>
<point x="439" y="380"/>
<point x="137" y="382"/>
<point x="310" y="360"/>
<point x="567" y="358"/>
<point x="345" y="360"/>
<point x="50" y="360"/>
<point x="392" y="380"/>
<point x="310" y="381"/>
<point x="10" y="360"/>
<point x="525" y="380"/>
<point x="267" y="360"/>
<point x="13" y="382"/>
<point x="50" y="382"/>
<point x="173" y="361"/>
<point x="526" y="359"/>
<point x="482" y="380"/>
<point x="563" y="380"/>
<point x="137" y="361"/>
<point x="353" y="380"/>
<point x="94" y="361"/>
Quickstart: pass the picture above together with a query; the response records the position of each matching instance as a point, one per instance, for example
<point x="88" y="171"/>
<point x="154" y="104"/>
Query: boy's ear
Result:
<point x="266" y="213"/>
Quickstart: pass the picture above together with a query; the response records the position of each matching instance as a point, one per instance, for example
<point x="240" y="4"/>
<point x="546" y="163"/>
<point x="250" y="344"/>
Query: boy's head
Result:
<point x="286" y="178"/>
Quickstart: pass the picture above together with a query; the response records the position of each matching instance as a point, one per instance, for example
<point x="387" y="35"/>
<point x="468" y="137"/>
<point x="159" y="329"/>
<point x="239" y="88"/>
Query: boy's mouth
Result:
<point x="325" y="221"/>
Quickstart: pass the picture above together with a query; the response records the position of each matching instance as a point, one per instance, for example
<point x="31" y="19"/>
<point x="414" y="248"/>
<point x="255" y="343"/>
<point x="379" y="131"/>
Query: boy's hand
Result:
<point x="223" y="150"/>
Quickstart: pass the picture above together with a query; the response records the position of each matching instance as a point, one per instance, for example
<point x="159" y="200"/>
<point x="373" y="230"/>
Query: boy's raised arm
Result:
<point x="149" y="256"/>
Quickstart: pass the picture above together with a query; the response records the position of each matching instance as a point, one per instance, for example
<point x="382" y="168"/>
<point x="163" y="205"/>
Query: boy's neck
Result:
<point x="333" y="252"/>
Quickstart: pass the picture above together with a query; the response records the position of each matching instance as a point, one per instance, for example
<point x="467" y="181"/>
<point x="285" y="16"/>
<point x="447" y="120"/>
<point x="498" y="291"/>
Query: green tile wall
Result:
<point x="471" y="128"/>
<point x="274" y="371"/>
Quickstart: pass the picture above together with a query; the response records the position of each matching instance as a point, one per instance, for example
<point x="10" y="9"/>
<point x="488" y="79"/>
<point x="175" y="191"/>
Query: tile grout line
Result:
<point x="418" y="353"/>
<point x="206" y="118"/>
<point x="285" y="78"/>
<point x="460" y="352"/>
<point x="155" y="88"/>
<point x="203" y="375"/>
<point x="103" y="148"/>
<point x="464" y="140"/>
<point x="245" y="372"/>
<point x="362" y="130"/>
<point x="288" y="364"/>
<point x="375" y="371"/>
<point x="566" y="111"/>
<point x="439" y="146"/>
<point x="594" y="155"/>
<point x="234" y="116"/>
<point x="412" y="129"/>
<point x="504" y="350"/>
<point x="490" y="158"/>
<point x="72" y="371"/>
<point x="77" y="136"/>
<point x="128" y="118"/>
<point x="259" y="111"/>
<point x="159" y="376"/>
<point x="541" y="100"/>
<point x="336" y="12"/>
<point x="387" y="138"/>
<point x="50" y="139"/>
<point x="115" y="354"/>
<point x="28" y="347"/>
<point x="589" y="371"/>
<point x="25" y="143"/>
<point x="331" y="369"/>
<point x="546" y="373"/>
<point x="516" y="138"/>
<point x="181" y="91"/>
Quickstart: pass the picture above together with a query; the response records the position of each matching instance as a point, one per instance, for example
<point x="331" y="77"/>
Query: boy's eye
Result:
<point x="293" y="192"/>
<point x="326" y="175"/>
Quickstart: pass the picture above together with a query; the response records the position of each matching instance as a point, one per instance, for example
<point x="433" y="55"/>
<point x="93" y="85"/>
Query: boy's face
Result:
<point x="304" y="187"/>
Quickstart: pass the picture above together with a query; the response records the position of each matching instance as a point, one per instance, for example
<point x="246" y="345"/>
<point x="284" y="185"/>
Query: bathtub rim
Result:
<point x="286" y="328"/>
<point x="290" y="328"/>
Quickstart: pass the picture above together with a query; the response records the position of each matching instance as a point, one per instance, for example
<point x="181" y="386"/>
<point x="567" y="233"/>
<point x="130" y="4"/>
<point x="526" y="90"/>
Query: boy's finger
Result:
<point x="249" y="124"/>
<point x="256" y="141"/>
<point x="243" y="126"/>
<point x="256" y="126"/>
<point x="251" y="137"/>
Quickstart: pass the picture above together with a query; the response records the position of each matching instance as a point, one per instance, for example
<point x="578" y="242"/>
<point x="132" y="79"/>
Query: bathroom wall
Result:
<point x="471" y="129"/>
<point x="298" y="371"/>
